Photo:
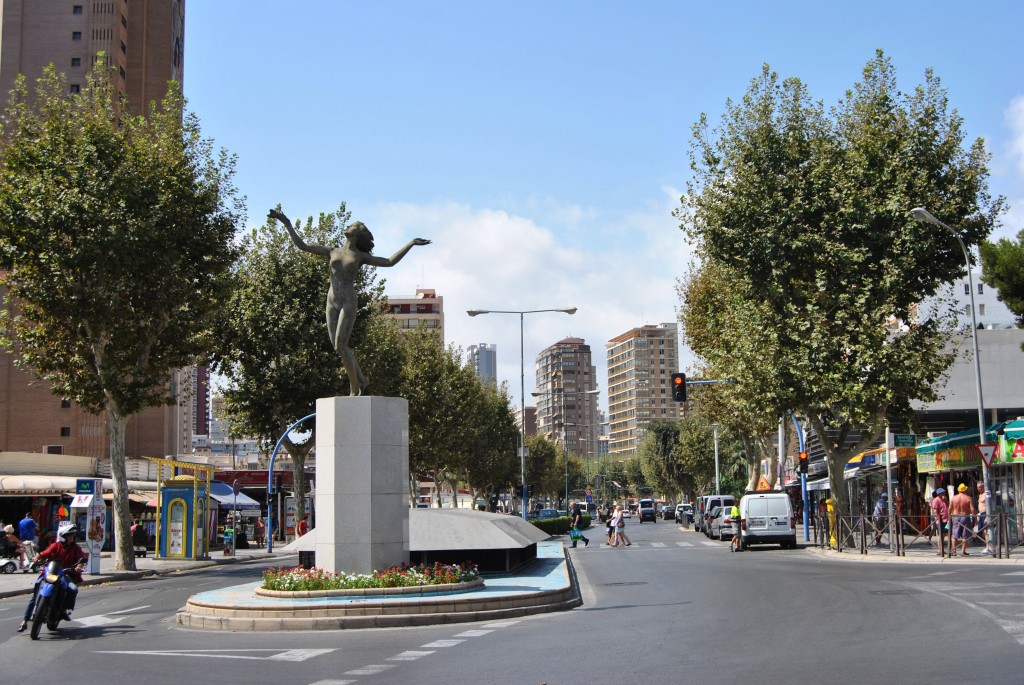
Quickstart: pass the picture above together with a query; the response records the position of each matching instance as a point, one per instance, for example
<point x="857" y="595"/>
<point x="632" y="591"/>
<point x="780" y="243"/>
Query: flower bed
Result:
<point x="318" y="580"/>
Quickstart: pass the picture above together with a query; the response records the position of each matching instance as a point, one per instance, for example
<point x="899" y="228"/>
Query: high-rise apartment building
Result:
<point x="143" y="41"/>
<point x="425" y="308"/>
<point x="484" y="359"/>
<point x="641" y="362"/>
<point x="566" y="401"/>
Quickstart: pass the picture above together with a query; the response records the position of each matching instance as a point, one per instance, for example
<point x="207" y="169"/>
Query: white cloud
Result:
<point x="619" y="272"/>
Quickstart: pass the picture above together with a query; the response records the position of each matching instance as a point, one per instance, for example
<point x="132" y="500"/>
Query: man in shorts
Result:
<point x="961" y="509"/>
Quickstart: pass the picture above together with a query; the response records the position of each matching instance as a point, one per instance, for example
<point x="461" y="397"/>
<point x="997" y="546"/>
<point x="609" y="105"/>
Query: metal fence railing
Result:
<point x="915" y="533"/>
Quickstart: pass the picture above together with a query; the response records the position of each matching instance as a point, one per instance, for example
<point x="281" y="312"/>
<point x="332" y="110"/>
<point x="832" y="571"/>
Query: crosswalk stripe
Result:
<point x="685" y="544"/>
<point x="709" y="543"/>
<point x="657" y="544"/>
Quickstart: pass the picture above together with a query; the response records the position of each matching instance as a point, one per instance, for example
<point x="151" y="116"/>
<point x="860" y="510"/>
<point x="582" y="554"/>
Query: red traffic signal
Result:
<point x="802" y="457"/>
<point x="679" y="387"/>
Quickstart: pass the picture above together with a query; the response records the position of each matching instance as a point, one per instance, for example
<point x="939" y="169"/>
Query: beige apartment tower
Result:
<point x="566" y="402"/>
<point x="425" y="308"/>
<point x="143" y="41"/>
<point x="641" y="362"/>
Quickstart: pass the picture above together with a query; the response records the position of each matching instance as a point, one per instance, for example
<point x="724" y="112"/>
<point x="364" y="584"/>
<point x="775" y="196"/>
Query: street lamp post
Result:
<point x="922" y="214"/>
<point x="522" y="380"/>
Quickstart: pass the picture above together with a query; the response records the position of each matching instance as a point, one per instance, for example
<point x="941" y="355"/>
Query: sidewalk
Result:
<point x="20" y="583"/>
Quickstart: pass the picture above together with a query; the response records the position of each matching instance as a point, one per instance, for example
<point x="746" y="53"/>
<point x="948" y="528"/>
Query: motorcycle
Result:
<point x="50" y="593"/>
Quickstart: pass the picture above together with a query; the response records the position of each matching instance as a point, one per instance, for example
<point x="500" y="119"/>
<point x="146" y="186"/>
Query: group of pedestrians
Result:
<point x="962" y="512"/>
<point x="615" y="525"/>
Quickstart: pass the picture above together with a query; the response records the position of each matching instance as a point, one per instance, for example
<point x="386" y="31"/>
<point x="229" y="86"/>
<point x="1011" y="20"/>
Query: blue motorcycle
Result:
<point x="51" y="590"/>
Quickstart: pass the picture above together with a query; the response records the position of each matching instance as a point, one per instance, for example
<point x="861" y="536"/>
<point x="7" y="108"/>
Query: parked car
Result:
<point x="668" y="513"/>
<point x="547" y="514"/>
<point x="684" y="513"/>
<point x="721" y="527"/>
<point x="705" y="504"/>
<point x="647" y="511"/>
<point x="709" y="521"/>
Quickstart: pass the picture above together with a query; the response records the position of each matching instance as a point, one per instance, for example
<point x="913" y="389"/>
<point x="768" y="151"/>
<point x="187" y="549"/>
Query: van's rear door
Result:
<point x="779" y="516"/>
<point x="757" y="515"/>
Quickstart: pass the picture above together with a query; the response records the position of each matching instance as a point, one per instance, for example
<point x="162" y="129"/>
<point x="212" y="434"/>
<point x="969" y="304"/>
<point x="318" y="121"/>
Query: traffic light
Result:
<point x="519" y="491"/>
<point x="802" y="457"/>
<point x="679" y="387"/>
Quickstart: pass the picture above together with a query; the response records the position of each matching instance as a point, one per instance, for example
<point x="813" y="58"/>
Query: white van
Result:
<point x="766" y="518"/>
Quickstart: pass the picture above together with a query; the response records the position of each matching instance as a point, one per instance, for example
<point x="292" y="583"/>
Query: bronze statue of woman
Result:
<point x="342" y="298"/>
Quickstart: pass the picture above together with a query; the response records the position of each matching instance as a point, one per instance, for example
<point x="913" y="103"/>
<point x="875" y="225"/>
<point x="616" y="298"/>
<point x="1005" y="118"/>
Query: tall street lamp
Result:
<point x="922" y="214"/>
<point x="565" y="447"/>
<point x="522" y="380"/>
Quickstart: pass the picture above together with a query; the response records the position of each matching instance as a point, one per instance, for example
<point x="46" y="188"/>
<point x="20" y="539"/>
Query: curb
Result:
<point x="420" y="611"/>
<point x="120" y="576"/>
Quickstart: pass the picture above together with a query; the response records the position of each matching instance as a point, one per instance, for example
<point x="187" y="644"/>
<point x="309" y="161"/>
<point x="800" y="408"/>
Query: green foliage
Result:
<point x="1002" y="265"/>
<point x="301" y="579"/>
<point x="804" y="213"/>
<point x="545" y="468"/>
<point x="115" y="234"/>
<point x="560" y="525"/>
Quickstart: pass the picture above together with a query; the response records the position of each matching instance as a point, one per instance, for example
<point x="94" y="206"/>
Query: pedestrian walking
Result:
<point x="940" y="516"/>
<point x="620" y="528"/>
<point x="734" y="514"/>
<point x="983" y="517"/>
<point x="576" y="521"/>
<point x="961" y="508"/>
<point x="609" y="525"/>
<point x="303" y="526"/>
<point x="27" y="532"/>
<point x="878" y="517"/>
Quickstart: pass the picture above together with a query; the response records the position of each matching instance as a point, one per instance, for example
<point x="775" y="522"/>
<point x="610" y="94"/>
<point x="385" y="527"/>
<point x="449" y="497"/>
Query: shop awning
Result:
<point x="963" y="438"/>
<point x="223" y="494"/>
<point x="819" y="484"/>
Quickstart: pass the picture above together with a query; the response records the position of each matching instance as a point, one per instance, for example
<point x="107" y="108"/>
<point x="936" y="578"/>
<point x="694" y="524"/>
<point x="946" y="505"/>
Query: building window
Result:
<point x="76" y="9"/>
<point x="76" y="61"/>
<point x="65" y="404"/>
<point x="981" y="288"/>
<point x="981" y="310"/>
<point x="124" y="22"/>
<point x="124" y="48"/>
<point x="76" y="35"/>
<point x="121" y="71"/>
<point x="967" y="310"/>
<point x="65" y="431"/>
<point x="75" y="88"/>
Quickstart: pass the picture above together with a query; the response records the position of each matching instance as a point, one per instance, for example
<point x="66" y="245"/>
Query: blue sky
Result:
<point x="542" y="146"/>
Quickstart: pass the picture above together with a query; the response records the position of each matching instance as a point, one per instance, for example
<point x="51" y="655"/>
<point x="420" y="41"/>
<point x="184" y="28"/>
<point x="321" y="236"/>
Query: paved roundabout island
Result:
<point x="546" y="584"/>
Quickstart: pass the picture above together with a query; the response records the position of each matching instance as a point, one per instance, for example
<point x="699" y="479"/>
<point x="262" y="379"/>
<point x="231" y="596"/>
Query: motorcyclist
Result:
<point x="72" y="558"/>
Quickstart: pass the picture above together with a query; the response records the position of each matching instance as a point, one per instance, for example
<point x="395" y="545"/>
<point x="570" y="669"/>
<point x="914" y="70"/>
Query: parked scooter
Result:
<point x="51" y="591"/>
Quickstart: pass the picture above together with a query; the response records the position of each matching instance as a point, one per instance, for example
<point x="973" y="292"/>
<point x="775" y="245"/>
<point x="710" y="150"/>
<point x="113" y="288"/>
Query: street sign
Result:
<point x="590" y="499"/>
<point x="904" y="440"/>
<point x="762" y="484"/>
<point x="988" y="450"/>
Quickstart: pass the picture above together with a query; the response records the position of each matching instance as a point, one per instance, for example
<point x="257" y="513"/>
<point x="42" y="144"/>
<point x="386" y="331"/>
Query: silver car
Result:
<point x="721" y="524"/>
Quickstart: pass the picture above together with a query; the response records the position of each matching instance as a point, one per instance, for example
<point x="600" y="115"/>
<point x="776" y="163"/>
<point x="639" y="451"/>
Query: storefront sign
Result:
<point x="952" y="459"/>
<point x="89" y="493"/>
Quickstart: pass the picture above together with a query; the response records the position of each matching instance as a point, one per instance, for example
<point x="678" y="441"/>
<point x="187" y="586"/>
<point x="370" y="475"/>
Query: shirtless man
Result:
<point x="961" y="509"/>
<point x="342" y="301"/>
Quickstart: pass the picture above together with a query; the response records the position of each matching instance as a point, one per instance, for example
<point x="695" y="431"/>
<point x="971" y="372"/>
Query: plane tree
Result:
<point x="809" y="209"/>
<point x="115" y="244"/>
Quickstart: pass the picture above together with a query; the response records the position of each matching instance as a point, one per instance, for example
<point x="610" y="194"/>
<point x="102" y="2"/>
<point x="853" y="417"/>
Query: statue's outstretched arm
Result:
<point x="397" y="257"/>
<point x="299" y="243"/>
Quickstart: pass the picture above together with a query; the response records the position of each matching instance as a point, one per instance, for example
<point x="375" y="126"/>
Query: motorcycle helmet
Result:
<point x="67" y="528"/>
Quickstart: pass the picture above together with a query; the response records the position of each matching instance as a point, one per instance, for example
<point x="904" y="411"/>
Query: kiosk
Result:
<point x="182" y="510"/>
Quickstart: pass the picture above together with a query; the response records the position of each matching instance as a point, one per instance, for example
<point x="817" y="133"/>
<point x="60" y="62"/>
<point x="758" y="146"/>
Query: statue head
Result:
<point x="359" y="235"/>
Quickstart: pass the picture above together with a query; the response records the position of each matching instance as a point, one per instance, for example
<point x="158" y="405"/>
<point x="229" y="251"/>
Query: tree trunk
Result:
<point x="837" y="457"/>
<point x="124" y="559"/>
<point x="298" y="453"/>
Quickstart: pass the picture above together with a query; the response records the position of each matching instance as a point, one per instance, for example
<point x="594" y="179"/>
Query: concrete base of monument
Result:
<point x="544" y="585"/>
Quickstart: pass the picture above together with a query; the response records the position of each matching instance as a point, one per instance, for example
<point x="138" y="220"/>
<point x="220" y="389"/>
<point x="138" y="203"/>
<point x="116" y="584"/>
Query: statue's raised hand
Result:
<point x="420" y="241"/>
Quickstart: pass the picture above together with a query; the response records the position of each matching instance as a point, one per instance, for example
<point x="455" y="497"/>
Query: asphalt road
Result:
<point x="672" y="608"/>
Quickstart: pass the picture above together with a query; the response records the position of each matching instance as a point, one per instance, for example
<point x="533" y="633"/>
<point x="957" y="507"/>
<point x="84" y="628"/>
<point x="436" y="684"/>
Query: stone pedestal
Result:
<point x="362" y="483"/>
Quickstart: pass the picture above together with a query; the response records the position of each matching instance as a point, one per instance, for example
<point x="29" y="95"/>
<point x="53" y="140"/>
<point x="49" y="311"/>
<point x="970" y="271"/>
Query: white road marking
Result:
<point x="443" y="643"/>
<point x="333" y="682"/>
<point x="411" y="655"/>
<point x="277" y="654"/>
<point x="1014" y="573"/>
<point x="298" y="654"/>
<point x="502" y="624"/>
<point x="709" y="543"/>
<point x="105" y="619"/>
<point x="657" y="544"/>
<point x="372" y="669"/>
<point x="684" y="544"/>
<point x="473" y="633"/>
